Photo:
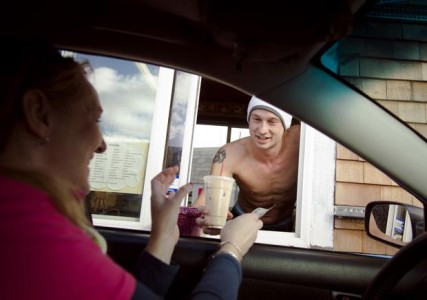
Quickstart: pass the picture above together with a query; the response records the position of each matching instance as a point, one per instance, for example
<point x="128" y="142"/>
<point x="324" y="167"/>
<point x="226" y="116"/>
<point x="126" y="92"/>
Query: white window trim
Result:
<point x="192" y="105"/>
<point x="316" y="180"/>
<point x="155" y="157"/>
<point x="315" y="199"/>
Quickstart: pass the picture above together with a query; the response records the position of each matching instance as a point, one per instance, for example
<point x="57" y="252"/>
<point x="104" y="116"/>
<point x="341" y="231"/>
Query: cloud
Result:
<point x="128" y="102"/>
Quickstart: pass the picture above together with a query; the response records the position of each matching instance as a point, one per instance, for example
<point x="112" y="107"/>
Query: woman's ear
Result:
<point x="36" y="109"/>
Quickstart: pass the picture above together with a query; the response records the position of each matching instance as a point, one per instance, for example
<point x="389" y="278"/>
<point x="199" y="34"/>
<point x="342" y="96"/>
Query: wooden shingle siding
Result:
<point x="419" y="91"/>
<point x="412" y="112"/>
<point x="394" y="193"/>
<point x="389" y="69"/>
<point x="391" y="106"/>
<point x="349" y="171"/>
<point x="389" y="250"/>
<point x="344" y="153"/>
<point x="372" y="175"/>
<point x="423" y="51"/>
<point x="398" y="90"/>
<point x="379" y="48"/>
<point x="388" y="62"/>
<point x="414" y="32"/>
<point x="349" y="236"/>
<point x="421" y="128"/>
<point x="347" y="223"/>
<point x="374" y="88"/>
<point x="372" y="246"/>
<point x="356" y="194"/>
<point x="348" y="240"/>
<point x="424" y="70"/>
<point x="406" y="50"/>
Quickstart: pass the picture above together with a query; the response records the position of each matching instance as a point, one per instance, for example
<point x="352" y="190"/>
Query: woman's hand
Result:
<point x="164" y="214"/>
<point x="239" y="234"/>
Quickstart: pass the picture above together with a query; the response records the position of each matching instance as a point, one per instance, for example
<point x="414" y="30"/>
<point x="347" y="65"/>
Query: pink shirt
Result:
<point x="44" y="256"/>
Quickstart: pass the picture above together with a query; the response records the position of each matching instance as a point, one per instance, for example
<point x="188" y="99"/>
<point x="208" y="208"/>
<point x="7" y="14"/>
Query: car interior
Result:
<point x="288" y="54"/>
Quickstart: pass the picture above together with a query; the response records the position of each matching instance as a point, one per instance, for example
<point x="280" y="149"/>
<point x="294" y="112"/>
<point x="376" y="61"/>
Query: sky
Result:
<point x="127" y="91"/>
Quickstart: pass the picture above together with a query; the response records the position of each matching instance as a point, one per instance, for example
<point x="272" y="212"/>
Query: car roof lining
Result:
<point x="231" y="40"/>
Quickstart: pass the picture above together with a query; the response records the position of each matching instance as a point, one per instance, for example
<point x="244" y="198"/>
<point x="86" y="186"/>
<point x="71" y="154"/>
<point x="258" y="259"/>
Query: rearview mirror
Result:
<point x="393" y="223"/>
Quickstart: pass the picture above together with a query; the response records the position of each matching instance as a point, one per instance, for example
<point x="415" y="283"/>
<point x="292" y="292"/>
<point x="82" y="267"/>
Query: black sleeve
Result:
<point x="143" y="292"/>
<point x="153" y="275"/>
<point x="221" y="279"/>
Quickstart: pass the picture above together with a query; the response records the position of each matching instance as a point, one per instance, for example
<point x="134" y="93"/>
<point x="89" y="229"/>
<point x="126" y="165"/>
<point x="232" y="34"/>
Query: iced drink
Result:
<point x="218" y="192"/>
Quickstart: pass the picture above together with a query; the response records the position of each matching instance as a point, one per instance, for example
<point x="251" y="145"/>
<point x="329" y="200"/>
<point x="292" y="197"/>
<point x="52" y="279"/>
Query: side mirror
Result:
<point x="394" y="223"/>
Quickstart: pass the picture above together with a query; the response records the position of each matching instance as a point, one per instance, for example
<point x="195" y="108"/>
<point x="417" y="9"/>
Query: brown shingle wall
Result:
<point x="349" y="236"/>
<point x="388" y="62"/>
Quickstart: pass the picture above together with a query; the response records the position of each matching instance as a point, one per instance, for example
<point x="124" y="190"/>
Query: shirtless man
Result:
<point x="264" y="165"/>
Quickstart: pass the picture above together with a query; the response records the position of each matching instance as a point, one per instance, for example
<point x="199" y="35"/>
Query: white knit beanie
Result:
<point x="257" y="103"/>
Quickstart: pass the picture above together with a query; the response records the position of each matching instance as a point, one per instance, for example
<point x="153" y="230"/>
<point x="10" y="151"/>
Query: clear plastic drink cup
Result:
<point x="218" y="192"/>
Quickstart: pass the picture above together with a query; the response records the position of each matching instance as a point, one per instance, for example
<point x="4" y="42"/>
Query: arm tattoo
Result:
<point x="219" y="156"/>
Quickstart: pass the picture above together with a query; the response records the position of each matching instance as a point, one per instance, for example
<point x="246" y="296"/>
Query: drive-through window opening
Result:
<point x="146" y="108"/>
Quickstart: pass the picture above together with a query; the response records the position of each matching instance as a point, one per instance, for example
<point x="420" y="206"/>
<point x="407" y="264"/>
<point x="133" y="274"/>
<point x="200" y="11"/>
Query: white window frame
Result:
<point x="316" y="179"/>
<point x="193" y="104"/>
<point x="155" y="157"/>
<point x="315" y="196"/>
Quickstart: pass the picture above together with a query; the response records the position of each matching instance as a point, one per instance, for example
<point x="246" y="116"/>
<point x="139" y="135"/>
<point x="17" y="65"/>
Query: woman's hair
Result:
<point x="60" y="193"/>
<point x="33" y="64"/>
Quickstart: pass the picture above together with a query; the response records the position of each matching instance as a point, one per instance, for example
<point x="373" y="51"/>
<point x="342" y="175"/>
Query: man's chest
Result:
<point x="261" y="180"/>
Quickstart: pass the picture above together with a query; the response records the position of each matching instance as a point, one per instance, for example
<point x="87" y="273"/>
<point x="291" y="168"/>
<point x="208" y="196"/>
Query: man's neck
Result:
<point x="267" y="155"/>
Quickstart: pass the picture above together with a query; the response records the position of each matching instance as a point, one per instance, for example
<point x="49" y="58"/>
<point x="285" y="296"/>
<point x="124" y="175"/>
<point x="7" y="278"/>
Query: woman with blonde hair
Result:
<point x="49" y="118"/>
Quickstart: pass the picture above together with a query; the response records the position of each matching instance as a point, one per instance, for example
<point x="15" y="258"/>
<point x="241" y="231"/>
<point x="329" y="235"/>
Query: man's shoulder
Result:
<point x="295" y="121"/>
<point x="236" y="148"/>
<point x="237" y="145"/>
<point x="294" y="129"/>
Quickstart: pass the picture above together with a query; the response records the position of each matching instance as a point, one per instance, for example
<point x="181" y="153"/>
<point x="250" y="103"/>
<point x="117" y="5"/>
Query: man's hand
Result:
<point x="201" y="221"/>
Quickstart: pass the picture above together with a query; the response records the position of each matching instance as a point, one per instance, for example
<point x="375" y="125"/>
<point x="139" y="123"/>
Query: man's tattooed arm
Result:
<point x="219" y="156"/>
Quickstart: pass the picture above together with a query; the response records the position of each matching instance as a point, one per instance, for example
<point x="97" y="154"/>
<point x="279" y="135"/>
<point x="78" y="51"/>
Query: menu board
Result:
<point x="121" y="168"/>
